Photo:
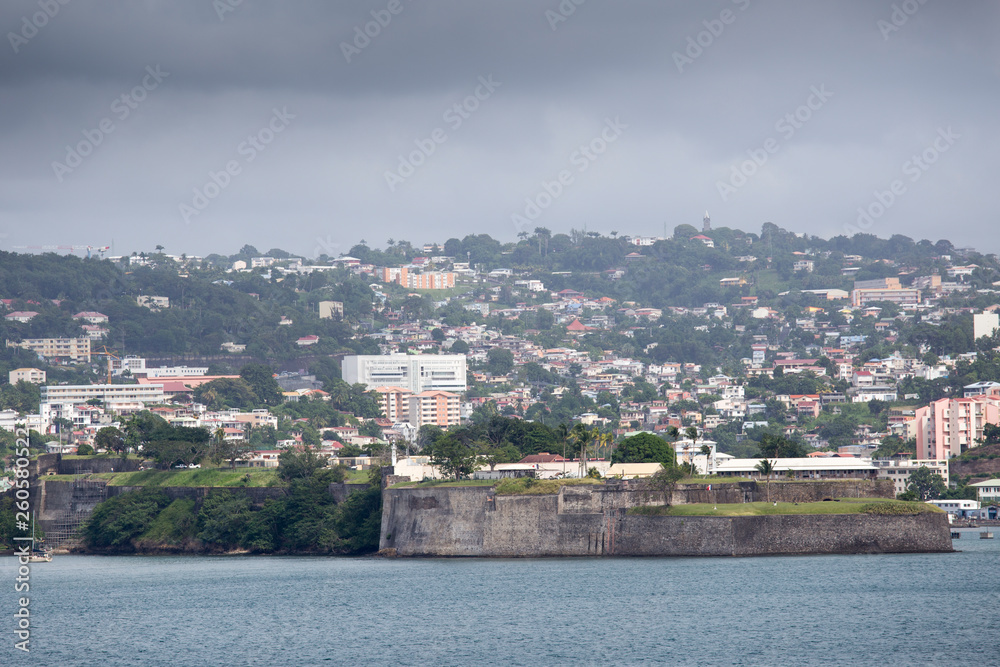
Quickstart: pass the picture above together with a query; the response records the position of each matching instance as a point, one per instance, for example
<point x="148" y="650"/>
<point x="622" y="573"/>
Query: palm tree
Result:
<point x="580" y="436"/>
<point x="562" y="433"/>
<point x="691" y="432"/>
<point x="766" y="467"/>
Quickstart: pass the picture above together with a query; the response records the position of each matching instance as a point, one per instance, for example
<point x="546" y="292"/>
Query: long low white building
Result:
<point x="823" y="467"/>
<point x="55" y="399"/>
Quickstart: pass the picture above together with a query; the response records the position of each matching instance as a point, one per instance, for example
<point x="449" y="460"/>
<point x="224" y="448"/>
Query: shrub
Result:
<point x="887" y="509"/>
<point x="119" y="520"/>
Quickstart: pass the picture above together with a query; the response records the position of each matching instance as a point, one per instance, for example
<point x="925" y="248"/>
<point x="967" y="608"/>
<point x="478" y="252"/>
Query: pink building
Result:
<point x="950" y="426"/>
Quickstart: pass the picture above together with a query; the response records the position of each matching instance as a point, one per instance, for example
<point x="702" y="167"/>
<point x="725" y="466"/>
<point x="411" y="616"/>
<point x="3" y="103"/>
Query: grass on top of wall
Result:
<point x="528" y="486"/>
<point x="207" y="477"/>
<point x="840" y="506"/>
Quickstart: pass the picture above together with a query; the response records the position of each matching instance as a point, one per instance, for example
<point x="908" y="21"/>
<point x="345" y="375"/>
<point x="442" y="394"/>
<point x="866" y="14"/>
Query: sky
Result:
<point x="310" y="125"/>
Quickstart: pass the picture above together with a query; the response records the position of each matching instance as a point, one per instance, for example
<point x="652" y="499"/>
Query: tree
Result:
<point x="453" y="457"/>
<point x="991" y="434"/>
<point x="500" y="361"/>
<point x="459" y="347"/>
<point x="644" y="448"/>
<point x="261" y="380"/>
<point x="663" y="482"/>
<point x="766" y="467"/>
<point x="111" y="439"/>
<point x="926" y="485"/>
<point x="294" y="465"/>
<point x="776" y="446"/>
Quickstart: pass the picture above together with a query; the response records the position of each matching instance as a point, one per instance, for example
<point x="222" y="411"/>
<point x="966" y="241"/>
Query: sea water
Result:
<point x="898" y="609"/>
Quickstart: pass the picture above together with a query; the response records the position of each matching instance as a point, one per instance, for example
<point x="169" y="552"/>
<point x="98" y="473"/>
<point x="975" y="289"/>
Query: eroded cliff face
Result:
<point x="593" y="521"/>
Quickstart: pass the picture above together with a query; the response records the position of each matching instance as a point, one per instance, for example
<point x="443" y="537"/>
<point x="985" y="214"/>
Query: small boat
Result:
<point x="40" y="556"/>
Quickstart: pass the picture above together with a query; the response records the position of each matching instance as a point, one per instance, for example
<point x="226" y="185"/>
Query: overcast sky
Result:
<point x="202" y="126"/>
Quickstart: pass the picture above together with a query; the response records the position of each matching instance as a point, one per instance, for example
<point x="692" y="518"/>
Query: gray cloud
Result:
<point x="323" y="177"/>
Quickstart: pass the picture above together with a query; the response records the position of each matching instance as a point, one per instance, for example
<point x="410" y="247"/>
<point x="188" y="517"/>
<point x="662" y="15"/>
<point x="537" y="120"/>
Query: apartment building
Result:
<point x="395" y="402"/>
<point x="33" y="375"/>
<point x="412" y="372"/>
<point x="394" y="274"/>
<point x="133" y="365"/>
<point x="903" y="296"/>
<point x="430" y="280"/>
<point x="73" y="349"/>
<point x="441" y="408"/>
<point x="950" y="426"/>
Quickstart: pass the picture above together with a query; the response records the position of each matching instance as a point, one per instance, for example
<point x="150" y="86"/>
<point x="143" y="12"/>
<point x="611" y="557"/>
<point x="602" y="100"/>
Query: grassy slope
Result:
<point x="173" y="525"/>
<point x="202" y="477"/>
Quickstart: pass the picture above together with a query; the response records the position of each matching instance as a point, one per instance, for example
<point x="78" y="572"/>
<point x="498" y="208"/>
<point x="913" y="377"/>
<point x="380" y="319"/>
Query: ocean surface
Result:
<point x="934" y="609"/>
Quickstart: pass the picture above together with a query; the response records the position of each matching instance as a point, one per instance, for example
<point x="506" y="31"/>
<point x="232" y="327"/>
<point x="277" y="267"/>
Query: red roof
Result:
<point x="576" y="325"/>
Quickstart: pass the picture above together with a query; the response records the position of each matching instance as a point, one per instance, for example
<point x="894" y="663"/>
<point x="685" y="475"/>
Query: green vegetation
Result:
<point x="887" y="508"/>
<point x="529" y="486"/>
<point x="303" y="520"/>
<point x="172" y="526"/>
<point x="644" y="448"/>
<point x="839" y="506"/>
<point x="443" y="482"/>
<point x="209" y="477"/>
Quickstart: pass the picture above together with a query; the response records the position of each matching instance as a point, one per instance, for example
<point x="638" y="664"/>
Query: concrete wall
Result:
<point x="593" y="521"/>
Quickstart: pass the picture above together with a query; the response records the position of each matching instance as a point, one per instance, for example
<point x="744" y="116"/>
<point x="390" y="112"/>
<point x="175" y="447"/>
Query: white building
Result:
<point x="825" y="467"/>
<point x="57" y="399"/>
<point x="131" y="364"/>
<point x="33" y="375"/>
<point x="959" y="508"/>
<point x="988" y="491"/>
<point x="899" y="470"/>
<point x="984" y="324"/>
<point x="413" y="372"/>
<point x="153" y="302"/>
<point x="10" y="420"/>
<point x="176" y="371"/>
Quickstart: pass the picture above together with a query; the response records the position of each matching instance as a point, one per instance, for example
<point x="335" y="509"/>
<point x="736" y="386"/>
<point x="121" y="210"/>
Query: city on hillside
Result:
<point x="557" y="355"/>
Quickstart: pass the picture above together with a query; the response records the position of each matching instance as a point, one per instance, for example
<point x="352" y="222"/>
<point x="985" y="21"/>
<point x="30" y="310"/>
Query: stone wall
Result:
<point x="593" y="521"/>
<point x="781" y="491"/>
